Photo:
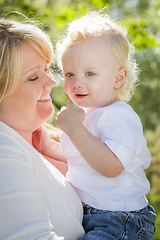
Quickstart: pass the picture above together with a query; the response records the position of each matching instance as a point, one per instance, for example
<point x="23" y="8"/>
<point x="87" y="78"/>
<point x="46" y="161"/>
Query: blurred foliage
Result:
<point x="142" y="19"/>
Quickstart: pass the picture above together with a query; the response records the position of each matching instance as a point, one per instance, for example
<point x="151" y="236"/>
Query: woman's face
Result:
<point x="30" y="105"/>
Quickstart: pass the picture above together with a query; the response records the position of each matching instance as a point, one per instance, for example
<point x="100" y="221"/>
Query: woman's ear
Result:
<point x="120" y="78"/>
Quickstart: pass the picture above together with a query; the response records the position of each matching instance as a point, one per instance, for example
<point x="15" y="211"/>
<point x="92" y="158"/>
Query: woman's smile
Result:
<point x="46" y="99"/>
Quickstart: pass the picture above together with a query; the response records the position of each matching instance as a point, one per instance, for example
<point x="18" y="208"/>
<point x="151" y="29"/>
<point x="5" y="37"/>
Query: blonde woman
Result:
<point x="103" y="142"/>
<point x="36" y="201"/>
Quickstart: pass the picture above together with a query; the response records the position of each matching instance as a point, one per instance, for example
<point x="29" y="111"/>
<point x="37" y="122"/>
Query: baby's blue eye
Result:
<point x="89" y="74"/>
<point x="69" y="74"/>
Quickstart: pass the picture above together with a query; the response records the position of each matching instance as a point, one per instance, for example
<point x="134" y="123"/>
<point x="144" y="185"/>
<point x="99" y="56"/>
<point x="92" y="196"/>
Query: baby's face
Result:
<point x="90" y="73"/>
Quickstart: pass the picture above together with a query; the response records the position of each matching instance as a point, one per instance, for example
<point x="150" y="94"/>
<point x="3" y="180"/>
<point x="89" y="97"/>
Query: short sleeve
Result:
<point x="121" y="130"/>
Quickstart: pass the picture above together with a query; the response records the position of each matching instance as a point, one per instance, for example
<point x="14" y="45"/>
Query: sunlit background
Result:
<point x="142" y="19"/>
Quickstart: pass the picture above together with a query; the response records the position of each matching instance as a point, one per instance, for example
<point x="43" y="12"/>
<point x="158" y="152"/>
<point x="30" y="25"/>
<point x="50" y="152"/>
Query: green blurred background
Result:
<point x="142" y="19"/>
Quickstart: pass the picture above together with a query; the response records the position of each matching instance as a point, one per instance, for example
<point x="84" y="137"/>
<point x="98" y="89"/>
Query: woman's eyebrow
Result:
<point x="32" y="69"/>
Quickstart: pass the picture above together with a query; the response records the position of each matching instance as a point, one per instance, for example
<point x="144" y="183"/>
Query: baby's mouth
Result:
<point x="78" y="95"/>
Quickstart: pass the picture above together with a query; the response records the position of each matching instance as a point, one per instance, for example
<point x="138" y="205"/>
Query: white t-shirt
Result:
<point x="36" y="201"/>
<point x="120" y="128"/>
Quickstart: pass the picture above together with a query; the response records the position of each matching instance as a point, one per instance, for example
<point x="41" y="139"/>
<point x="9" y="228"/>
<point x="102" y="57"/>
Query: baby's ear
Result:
<point x="120" y="78"/>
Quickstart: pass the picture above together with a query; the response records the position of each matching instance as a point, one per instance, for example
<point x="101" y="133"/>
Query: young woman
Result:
<point x="36" y="201"/>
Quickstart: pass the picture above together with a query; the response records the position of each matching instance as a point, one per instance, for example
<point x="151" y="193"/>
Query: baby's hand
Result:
<point x="68" y="119"/>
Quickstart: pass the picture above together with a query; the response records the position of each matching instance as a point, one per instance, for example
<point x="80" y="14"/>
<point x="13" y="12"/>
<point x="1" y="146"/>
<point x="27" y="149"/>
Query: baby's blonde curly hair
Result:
<point x="98" y="24"/>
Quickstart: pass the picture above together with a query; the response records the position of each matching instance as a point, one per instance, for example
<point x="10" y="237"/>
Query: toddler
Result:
<point x="103" y="141"/>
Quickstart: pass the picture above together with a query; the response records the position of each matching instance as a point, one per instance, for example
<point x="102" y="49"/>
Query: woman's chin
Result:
<point x="47" y="113"/>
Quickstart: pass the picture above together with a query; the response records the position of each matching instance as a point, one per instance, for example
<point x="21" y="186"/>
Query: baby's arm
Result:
<point x="95" y="152"/>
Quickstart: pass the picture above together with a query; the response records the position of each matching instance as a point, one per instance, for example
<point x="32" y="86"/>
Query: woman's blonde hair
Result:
<point x="12" y="35"/>
<point x="97" y="24"/>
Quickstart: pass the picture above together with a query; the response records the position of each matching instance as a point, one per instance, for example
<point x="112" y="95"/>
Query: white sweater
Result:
<point x="36" y="201"/>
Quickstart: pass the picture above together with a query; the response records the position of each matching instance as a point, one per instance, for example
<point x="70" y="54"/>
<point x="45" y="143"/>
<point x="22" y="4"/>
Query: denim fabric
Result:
<point x="117" y="225"/>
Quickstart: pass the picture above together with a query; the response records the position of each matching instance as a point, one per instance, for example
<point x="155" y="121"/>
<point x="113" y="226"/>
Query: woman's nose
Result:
<point x="49" y="81"/>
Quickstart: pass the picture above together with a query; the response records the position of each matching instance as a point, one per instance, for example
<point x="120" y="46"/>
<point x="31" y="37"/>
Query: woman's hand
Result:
<point x="41" y="139"/>
<point x="50" y="149"/>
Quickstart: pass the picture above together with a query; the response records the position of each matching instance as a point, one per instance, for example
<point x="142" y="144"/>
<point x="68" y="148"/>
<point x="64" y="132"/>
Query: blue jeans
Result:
<point x="117" y="225"/>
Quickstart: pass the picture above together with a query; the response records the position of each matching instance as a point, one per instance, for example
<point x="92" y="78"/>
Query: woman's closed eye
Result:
<point x="34" y="78"/>
<point x="89" y="74"/>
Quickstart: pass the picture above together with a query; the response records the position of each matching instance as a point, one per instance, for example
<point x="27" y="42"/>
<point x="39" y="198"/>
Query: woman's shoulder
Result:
<point x="13" y="147"/>
<point x="8" y="137"/>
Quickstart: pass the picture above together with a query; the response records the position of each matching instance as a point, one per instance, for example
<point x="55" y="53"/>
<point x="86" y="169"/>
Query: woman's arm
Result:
<point x="61" y="166"/>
